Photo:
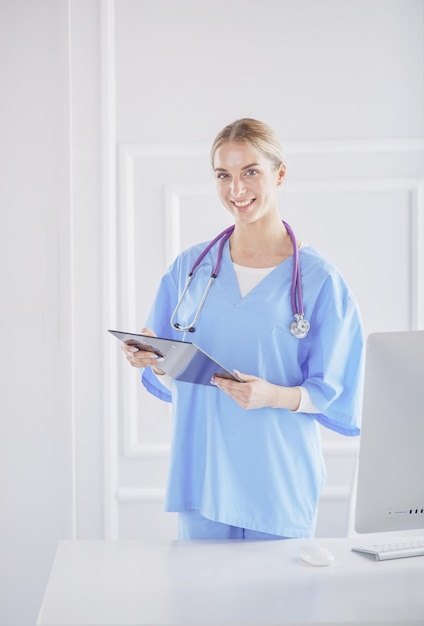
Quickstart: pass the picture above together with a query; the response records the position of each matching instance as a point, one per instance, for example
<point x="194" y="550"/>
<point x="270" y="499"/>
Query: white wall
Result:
<point x="59" y="425"/>
<point x="36" y="468"/>
<point x="342" y="83"/>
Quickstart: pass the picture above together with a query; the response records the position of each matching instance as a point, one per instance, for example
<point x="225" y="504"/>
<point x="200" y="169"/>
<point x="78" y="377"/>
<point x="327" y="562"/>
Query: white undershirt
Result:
<point x="249" y="277"/>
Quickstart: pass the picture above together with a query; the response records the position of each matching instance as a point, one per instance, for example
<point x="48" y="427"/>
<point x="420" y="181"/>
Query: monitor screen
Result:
<point x="390" y="480"/>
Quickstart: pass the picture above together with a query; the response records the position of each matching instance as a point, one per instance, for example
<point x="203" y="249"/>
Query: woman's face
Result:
<point x="247" y="181"/>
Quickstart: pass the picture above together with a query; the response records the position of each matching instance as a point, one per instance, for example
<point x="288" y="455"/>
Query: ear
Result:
<point x="281" y="174"/>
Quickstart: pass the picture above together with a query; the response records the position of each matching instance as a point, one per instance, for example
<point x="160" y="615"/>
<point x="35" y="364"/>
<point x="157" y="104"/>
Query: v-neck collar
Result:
<point x="265" y="285"/>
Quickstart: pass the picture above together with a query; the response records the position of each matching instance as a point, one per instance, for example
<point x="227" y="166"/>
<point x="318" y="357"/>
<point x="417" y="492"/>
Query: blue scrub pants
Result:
<point x="192" y="525"/>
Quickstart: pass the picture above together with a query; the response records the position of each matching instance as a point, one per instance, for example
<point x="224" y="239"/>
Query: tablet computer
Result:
<point x="182" y="360"/>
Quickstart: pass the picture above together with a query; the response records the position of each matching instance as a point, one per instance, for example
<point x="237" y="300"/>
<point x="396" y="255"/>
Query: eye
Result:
<point x="251" y="172"/>
<point x="221" y="175"/>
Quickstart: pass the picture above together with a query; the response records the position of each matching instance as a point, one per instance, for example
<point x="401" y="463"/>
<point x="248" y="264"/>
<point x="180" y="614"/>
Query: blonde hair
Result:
<point x="256" y="133"/>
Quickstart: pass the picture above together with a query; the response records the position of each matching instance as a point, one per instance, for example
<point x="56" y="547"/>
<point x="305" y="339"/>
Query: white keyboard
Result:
<point x="394" y="550"/>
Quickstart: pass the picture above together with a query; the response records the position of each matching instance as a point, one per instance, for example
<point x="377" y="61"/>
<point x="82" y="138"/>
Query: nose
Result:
<point x="237" y="187"/>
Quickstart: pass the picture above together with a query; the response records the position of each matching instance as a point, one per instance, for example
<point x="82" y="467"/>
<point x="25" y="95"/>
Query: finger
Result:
<point x="226" y="385"/>
<point x="143" y="363"/>
<point x="129" y="348"/>
<point x="142" y="358"/>
<point x="147" y="359"/>
<point x="148" y="331"/>
<point x="246" y="378"/>
<point x="220" y="381"/>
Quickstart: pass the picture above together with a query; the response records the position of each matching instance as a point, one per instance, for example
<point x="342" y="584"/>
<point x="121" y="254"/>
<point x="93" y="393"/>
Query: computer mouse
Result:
<point x="314" y="554"/>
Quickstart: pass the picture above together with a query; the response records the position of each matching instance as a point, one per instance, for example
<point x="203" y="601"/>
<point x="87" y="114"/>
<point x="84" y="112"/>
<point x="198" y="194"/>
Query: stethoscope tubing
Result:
<point x="223" y="237"/>
<point x="296" y="296"/>
<point x="296" y="288"/>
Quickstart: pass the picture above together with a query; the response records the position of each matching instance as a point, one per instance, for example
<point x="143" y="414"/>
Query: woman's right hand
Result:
<point x="137" y="357"/>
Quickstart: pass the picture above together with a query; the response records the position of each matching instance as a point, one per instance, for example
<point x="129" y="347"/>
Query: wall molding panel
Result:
<point x="162" y="185"/>
<point x="164" y="173"/>
<point x="355" y="146"/>
<point x="136" y="204"/>
<point x="110" y="278"/>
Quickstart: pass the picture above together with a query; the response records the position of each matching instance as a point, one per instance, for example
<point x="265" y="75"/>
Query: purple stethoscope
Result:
<point x="299" y="327"/>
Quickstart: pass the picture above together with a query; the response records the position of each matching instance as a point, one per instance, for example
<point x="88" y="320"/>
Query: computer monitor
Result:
<point x="390" y="479"/>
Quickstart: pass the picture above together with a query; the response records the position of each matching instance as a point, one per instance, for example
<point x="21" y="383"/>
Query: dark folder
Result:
<point x="183" y="360"/>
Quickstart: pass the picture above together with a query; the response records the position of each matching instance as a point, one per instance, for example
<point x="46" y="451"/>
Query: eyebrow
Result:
<point x="246" y="167"/>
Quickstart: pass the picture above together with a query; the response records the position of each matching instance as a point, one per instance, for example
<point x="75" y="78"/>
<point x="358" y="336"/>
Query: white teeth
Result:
<point x="242" y="204"/>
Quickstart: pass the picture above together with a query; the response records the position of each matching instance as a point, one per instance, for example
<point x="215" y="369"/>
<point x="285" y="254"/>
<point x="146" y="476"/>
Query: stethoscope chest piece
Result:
<point x="299" y="327"/>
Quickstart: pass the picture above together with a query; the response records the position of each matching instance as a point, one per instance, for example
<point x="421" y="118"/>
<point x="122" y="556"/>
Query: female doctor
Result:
<point x="246" y="458"/>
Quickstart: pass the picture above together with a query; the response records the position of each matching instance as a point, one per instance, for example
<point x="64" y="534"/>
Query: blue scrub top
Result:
<point x="260" y="469"/>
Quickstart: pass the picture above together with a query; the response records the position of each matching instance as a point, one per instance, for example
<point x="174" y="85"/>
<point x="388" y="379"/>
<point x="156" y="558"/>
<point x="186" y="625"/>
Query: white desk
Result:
<point x="128" y="583"/>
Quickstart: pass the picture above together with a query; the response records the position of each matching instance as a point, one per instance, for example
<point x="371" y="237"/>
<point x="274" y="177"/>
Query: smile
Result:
<point x="242" y="204"/>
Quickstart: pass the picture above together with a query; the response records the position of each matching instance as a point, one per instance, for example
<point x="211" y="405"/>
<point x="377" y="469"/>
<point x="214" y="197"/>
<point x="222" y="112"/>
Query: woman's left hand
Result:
<point x="252" y="393"/>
